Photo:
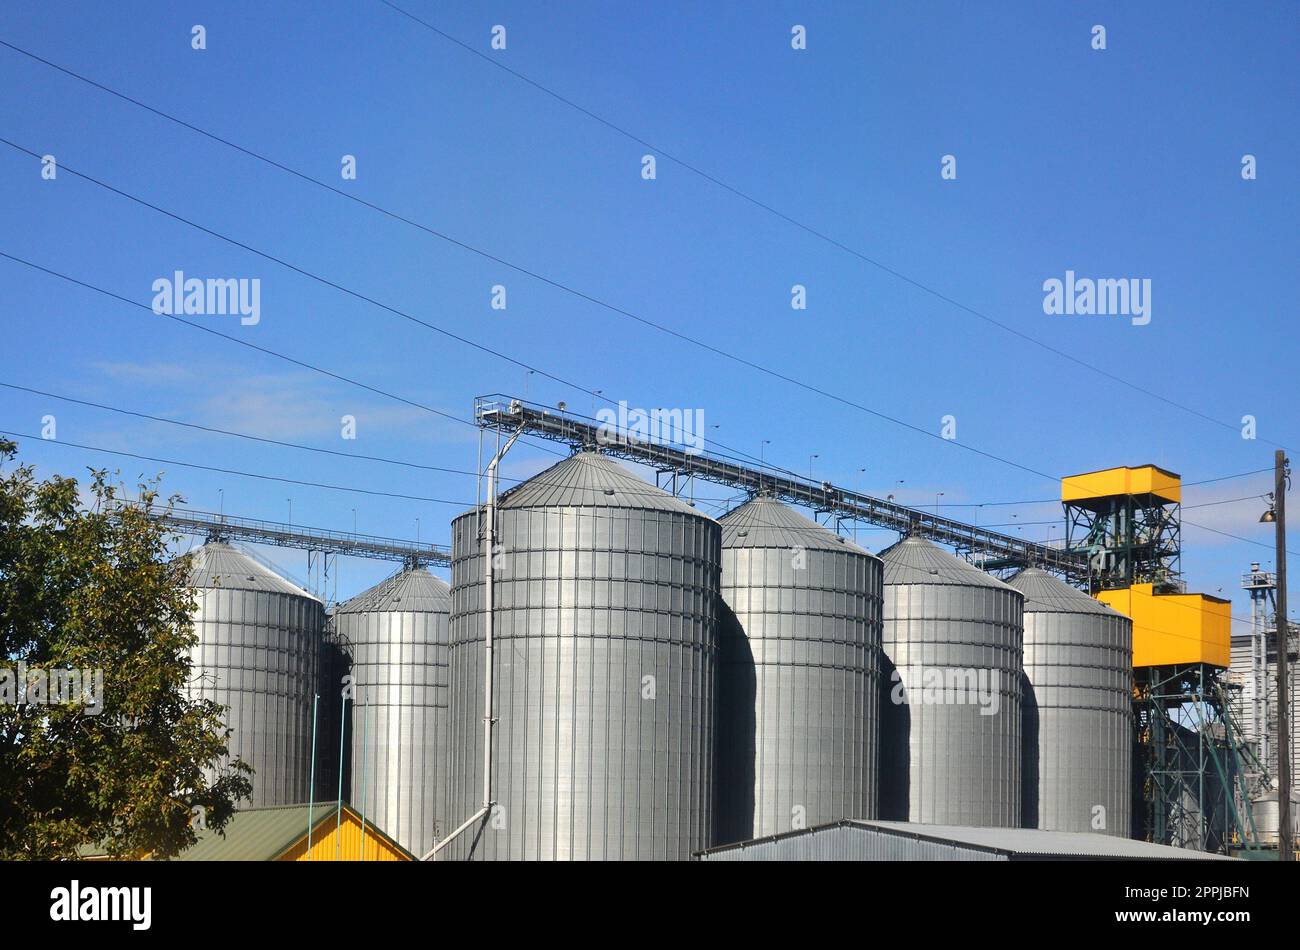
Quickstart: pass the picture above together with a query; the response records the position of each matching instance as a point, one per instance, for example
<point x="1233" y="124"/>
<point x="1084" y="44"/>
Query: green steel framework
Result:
<point x="1189" y="751"/>
<point x="1130" y="539"/>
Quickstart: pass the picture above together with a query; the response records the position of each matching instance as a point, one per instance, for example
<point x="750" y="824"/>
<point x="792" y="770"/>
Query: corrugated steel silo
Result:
<point x="1268" y="817"/>
<point x="396" y="636"/>
<point x="605" y="628"/>
<point x="1078" y="712"/>
<point x="799" y="674"/>
<point x="950" y="707"/>
<point x="258" y="650"/>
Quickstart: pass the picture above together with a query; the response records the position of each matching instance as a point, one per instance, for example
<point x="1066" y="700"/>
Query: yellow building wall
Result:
<point x="1170" y="629"/>
<point x="327" y="839"/>
<point x="1143" y="480"/>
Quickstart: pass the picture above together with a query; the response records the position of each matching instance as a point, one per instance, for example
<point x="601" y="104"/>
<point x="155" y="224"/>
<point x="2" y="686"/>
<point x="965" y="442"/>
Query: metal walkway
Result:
<point x="216" y="527"/>
<point x="997" y="550"/>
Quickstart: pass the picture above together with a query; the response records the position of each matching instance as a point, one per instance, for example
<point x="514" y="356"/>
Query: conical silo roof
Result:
<point x="415" y="590"/>
<point x="917" y="561"/>
<point x="764" y="522"/>
<point x="1045" y="593"/>
<point x="591" y="480"/>
<point x="217" y="564"/>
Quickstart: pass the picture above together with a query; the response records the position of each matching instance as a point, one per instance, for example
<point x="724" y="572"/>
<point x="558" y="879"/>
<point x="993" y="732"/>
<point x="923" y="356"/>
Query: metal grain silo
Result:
<point x="396" y="636"/>
<point x="799" y="673"/>
<point x="950" y="706"/>
<point x="605" y="629"/>
<point x="258" y="650"/>
<point x="1268" y="817"/>
<point x="1078" y="709"/>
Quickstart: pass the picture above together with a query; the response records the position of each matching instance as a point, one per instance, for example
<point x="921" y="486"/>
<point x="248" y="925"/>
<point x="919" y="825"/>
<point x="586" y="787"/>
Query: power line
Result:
<point x="239" y="435"/>
<point x="430" y="409"/>
<point x="315" y="181"/>
<point x="1235" y="537"/>
<point x="537" y="479"/>
<point x="238" y="472"/>
<point x="558" y="285"/>
<point x="261" y="349"/>
<point x="465" y="246"/>
<point x="306" y="273"/>
<point x="433" y="327"/>
<point x="527" y="272"/>
<point x="1223" y="501"/>
<point x="808" y="229"/>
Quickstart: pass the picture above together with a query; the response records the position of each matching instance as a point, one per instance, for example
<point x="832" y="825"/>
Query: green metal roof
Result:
<point x="258" y="834"/>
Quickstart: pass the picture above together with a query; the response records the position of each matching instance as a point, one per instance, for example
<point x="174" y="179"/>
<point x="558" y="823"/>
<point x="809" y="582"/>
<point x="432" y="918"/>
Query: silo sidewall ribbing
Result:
<point x="257" y="653"/>
<point x="399" y="723"/>
<point x="946" y="759"/>
<point x="798" y="720"/>
<point x="1079" y="668"/>
<point x="606" y="639"/>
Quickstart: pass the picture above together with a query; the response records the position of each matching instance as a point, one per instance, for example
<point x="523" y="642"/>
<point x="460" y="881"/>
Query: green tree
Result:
<point x="88" y="585"/>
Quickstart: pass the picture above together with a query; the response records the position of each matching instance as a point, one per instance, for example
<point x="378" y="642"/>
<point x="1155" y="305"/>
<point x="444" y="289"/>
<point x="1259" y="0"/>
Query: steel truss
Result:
<point x="315" y="541"/>
<point x="1130" y="539"/>
<point x="1190" y="756"/>
<point x="681" y="467"/>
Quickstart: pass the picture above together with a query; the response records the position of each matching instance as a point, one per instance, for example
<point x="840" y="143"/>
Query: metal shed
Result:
<point x="862" y="840"/>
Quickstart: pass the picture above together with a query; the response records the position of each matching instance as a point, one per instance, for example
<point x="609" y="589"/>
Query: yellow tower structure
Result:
<point x="1126" y="520"/>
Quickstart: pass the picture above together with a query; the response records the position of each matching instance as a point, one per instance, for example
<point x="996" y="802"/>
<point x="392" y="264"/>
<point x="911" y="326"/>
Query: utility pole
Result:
<point x="1286" y="831"/>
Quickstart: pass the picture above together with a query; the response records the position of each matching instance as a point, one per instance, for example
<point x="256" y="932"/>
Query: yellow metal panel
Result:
<point x="1142" y="480"/>
<point x="1170" y="629"/>
<point x="329" y="842"/>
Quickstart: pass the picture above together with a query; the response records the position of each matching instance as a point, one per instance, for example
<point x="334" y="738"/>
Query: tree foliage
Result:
<point x="88" y="584"/>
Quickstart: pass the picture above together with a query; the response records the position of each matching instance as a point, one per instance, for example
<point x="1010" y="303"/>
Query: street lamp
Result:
<point x="1269" y="516"/>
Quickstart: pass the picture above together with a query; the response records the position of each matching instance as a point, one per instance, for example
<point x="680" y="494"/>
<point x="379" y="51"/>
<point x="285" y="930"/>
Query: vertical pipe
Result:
<point x="1286" y="837"/>
<point x="489" y="541"/>
<point x="365" y="758"/>
<point x="489" y="554"/>
<point x="311" y="792"/>
<point x="338" y="825"/>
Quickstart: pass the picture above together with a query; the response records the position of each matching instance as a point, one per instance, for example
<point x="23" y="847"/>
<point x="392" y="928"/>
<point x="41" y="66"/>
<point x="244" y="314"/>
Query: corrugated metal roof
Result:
<point x="764" y="522"/>
<point x="917" y="561"/>
<point x="258" y="834"/>
<point x="871" y="840"/>
<point x="217" y="564"/>
<point x="1045" y="593"/>
<point x="416" y="590"/>
<point x="1029" y="842"/>
<point x="590" y="480"/>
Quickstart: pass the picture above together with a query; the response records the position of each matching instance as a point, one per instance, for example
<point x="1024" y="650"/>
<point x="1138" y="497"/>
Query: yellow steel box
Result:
<point x="1171" y="629"/>
<point x="1142" y="480"/>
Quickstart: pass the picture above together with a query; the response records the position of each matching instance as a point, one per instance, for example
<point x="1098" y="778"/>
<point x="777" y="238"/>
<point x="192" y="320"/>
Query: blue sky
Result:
<point x="1117" y="163"/>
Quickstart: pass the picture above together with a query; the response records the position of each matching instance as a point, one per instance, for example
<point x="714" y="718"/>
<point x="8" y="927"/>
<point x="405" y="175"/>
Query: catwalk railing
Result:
<point x="994" y="548"/>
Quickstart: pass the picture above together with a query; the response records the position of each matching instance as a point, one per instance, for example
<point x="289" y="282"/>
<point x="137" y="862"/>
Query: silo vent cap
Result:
<point x="609" y="491"/>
